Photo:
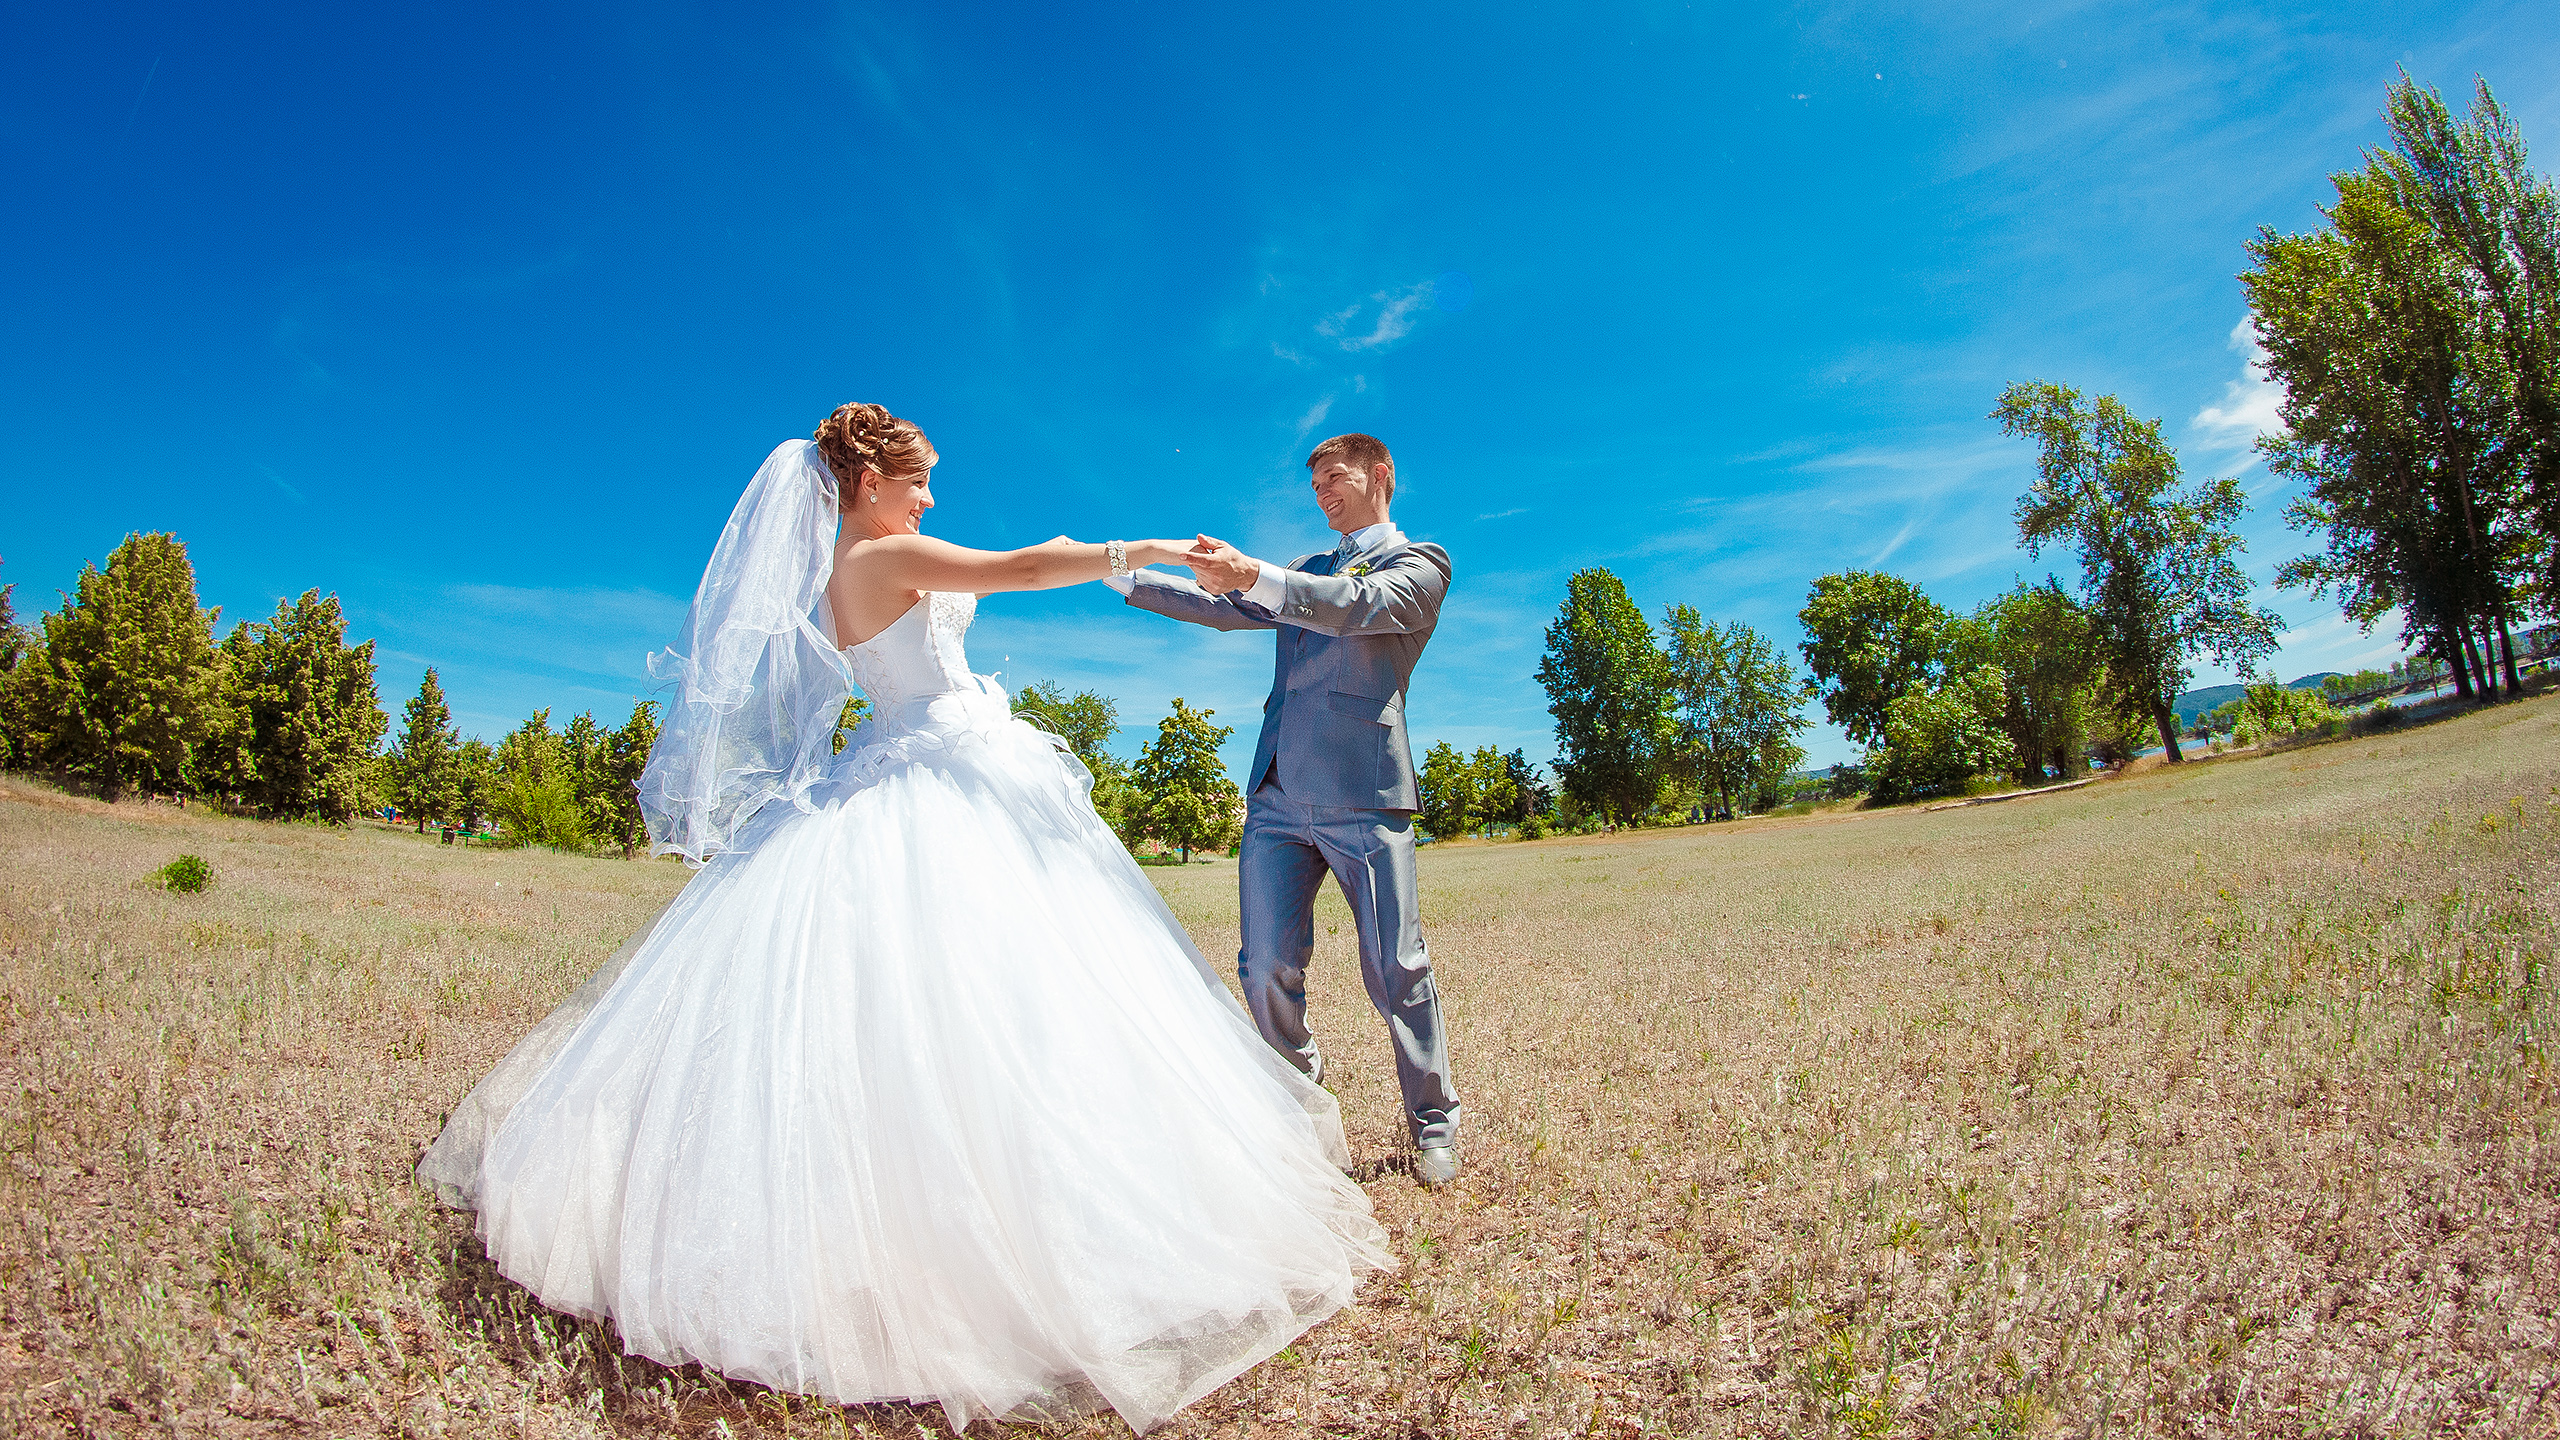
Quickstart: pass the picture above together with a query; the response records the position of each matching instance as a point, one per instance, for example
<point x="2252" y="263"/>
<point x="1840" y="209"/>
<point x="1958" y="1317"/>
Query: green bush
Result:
<point x="1531" y="828"/>
<point x="187" y="874"/>
<point x="1937" y="738"/>
<point x="2271" y="712"/>
<point x="539" y="811"/>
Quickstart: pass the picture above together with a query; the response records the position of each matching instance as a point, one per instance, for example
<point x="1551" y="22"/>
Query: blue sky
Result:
<point x="481" y="318"/>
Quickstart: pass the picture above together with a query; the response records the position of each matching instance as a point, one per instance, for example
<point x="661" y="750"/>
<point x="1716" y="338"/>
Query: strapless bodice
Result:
<point x="920" y="655"/>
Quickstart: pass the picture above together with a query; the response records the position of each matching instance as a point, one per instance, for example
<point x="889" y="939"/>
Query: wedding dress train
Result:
<point x="919" y="1092"/>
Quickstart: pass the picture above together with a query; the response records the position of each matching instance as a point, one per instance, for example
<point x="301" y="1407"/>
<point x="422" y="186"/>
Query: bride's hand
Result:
<point x="1157" y="552"/>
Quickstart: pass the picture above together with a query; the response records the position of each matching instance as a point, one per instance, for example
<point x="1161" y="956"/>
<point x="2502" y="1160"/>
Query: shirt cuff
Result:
<point x="1121" y="583"/>
<point x="1267" y="589"/>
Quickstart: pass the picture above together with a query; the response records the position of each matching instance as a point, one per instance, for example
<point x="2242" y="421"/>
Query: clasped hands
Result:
<point x="1220" y="567"/>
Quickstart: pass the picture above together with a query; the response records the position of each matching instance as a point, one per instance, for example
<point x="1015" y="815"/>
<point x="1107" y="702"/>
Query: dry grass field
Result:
<point x="2214" y="1100"/>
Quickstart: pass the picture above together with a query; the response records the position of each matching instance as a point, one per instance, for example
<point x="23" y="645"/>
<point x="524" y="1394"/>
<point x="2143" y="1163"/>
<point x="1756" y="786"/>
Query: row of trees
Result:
<point x="1707" y="713"/>
<point x="125" y="688"/>
<point x="573" y="790"/>
<point x="2417" y="338"/>
<point x="2024" y="685"/>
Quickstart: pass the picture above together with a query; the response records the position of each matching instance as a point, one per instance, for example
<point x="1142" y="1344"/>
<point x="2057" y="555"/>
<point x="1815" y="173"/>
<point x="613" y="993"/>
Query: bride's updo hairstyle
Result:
<point x="861" y="437"/>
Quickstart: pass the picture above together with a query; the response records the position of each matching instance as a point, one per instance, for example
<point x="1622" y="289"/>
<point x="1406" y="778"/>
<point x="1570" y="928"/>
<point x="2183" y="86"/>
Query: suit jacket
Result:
<point x="1333" y="728"/>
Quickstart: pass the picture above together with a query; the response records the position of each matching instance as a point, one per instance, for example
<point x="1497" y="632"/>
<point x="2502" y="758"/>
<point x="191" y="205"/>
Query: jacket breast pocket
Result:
<point x="1359" y="707"/>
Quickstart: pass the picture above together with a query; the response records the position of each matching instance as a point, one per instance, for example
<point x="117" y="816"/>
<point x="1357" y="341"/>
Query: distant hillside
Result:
<point x="2196" y="702"/>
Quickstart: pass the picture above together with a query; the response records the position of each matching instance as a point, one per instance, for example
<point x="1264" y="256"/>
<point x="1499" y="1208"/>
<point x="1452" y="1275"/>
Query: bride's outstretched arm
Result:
<point x="921" y="562"/>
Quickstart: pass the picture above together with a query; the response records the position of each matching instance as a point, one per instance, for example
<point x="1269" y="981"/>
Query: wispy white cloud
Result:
<point x="1314" y="417"/>
<point x="1505" y="514"/>
<point x="1394" y="319"/>
<point x="2251" y="405"/>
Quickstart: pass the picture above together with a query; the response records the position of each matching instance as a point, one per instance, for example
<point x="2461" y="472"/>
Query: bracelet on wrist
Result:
<point x="1117" y="552"/>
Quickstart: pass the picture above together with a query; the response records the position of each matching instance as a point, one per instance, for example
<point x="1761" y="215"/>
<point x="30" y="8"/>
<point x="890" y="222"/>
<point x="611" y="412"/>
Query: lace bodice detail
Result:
<point x="920" y="654"/>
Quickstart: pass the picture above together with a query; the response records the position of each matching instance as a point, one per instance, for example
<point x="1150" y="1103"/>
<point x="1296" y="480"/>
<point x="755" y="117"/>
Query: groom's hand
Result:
<point x="1220" y="567"/>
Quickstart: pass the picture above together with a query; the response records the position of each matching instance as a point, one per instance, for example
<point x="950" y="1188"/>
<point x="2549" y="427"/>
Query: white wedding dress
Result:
<point x="919" y="1092"/>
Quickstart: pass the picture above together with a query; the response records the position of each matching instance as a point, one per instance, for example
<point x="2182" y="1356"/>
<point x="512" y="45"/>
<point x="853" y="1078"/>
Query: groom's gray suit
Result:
<point x="1332" y="789"/>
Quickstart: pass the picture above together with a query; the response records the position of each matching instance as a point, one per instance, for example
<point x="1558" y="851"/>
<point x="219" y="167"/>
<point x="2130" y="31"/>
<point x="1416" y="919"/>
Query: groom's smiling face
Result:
<point x="1351" y="497"/>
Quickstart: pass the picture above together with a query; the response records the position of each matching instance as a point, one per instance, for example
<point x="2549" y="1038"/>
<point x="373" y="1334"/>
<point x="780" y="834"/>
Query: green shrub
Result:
<point x="1937" y="738"/>
<point x="2271" y="712"/>
<point x="540" y="811"/>
<point x="1531" y="828"/>
<point x="187" y="874"/>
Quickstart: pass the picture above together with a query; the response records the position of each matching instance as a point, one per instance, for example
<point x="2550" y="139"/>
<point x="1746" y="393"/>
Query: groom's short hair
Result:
<point x="1362" y="452"/>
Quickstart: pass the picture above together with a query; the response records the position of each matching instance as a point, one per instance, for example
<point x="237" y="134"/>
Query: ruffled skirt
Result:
<point x="922" y="1095"/>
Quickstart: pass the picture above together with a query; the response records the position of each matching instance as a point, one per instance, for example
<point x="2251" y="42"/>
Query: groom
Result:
<point x="1332" y="785"/>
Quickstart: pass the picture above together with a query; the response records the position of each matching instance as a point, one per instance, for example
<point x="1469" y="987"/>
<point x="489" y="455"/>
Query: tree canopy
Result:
<point x="2415" y="353"/>
<point x="121" y="687"/>
<point x="1604" y="682"/>
<point x="2159" y="573"/>
<point x="425" y="782"/>
<point x="1869" y="637"/>
<point x="1183" y="796"/>
<point x="1733" y="710"/>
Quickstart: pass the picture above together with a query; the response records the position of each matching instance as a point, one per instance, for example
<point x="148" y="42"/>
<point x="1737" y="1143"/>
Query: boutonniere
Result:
<point x="1358" y="570"/>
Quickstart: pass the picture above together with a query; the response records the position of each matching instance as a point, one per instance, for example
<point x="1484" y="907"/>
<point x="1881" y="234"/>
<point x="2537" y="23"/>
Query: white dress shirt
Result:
<point x="1267" y="586"/>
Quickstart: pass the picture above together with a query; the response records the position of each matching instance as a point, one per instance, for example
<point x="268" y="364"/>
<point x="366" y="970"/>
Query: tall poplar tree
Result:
<point x="2157" y="565"/>
<point x="425" y="782"/>
<point x="1605" y="687"/>
<point x="120" y="688"/>
<point x="2414" y="338"/>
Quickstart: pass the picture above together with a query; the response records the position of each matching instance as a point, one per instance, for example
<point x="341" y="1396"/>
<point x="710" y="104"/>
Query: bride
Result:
<point x="916" y="1090"/>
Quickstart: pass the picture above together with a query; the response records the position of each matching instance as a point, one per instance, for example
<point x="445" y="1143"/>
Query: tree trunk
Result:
<point x="2507" y="652"/>
<point x="2167" y="720"/>
<point x="2450" y="638"/>
<point x="2483" y="685"/>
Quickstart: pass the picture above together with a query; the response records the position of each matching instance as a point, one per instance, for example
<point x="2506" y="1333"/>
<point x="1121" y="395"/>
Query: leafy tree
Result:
<point x="1869" y="637"/>
<point x="1184" y="798"/>
<point x="530" y="749"/>
<point x="1088" y="721"/>
<point x="303" y="715"/>
<point x="617" y="819"/>
<point x="423" y="781"/>
<point x="1497" y="794"/>
<point x="535" y="797"/>
<point x="2041" y="642"/>
<point x="2396" y="332"/>
<point x="1531" y="795"/>
<point x="1449" y="801"/>
<point x="15" y="642"/>
<point x="2267" y="710"/>
<point x="1938" y="737"/>
<point x="121" y="688"/>
<point x="2157" y="567"/>
<point x="1733" y="710"/>
<point x="1604" y="683"/>
<point x="475" y="782"/>
<point x="582" y="755"/>
<point x="2499" y="222"/>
